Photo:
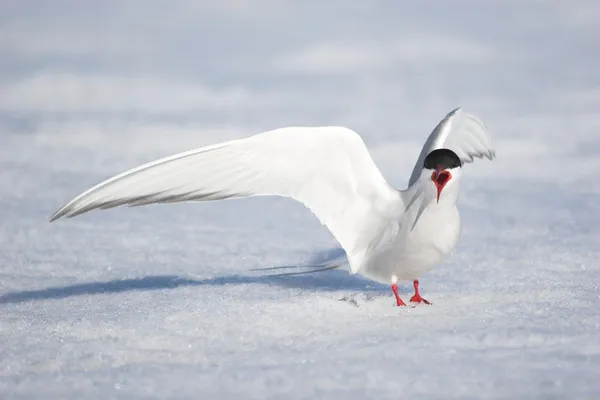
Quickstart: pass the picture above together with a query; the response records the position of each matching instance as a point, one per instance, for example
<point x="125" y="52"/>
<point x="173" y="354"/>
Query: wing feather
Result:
<point x="328" y="169"/>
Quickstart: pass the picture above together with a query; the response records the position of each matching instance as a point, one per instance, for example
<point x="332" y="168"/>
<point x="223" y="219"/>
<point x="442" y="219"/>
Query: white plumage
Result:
<point x="328" y="169"/>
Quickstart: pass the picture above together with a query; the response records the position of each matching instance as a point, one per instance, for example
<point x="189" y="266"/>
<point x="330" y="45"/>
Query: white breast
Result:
<point x="419" y="251"/>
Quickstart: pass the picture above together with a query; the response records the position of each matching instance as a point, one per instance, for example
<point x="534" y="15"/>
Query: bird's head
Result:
<point x="442" y="168"/>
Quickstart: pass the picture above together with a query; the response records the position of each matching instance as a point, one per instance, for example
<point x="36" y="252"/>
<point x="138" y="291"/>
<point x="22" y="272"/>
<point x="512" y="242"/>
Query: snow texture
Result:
<point x="166" y="302"/>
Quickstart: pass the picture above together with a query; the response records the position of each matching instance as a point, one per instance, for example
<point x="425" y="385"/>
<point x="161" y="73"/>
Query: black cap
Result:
<point x="444" y="158"/>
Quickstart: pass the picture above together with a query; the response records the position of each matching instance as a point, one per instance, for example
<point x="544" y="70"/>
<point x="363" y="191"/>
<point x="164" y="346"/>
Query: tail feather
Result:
<point x="312" y="271"/>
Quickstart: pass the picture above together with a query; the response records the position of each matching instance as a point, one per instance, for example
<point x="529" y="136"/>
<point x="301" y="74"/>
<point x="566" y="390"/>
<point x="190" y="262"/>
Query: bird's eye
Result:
<point x="445" y="158"/>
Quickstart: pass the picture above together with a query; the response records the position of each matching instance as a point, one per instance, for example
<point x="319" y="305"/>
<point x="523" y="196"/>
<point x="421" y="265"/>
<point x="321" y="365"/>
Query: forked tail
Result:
<point x="321" y="261"/>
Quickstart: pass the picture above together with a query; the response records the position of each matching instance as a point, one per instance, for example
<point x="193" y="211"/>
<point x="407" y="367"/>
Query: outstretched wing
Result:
<point x="328" y="169"/>
<point x="463" y="133"/>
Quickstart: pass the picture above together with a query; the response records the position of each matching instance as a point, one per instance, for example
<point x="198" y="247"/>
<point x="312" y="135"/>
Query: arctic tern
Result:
<point x="389" y="235"/>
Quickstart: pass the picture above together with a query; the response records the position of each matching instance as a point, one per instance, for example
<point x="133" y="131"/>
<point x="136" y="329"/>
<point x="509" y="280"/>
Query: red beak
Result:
<point x="440" y="177"/>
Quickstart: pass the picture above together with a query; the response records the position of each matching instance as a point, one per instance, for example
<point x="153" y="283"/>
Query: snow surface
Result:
<point x="165" y="302"/>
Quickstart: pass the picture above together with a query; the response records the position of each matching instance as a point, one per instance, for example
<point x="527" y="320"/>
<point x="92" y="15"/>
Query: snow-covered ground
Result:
<point x="163" y="302"/>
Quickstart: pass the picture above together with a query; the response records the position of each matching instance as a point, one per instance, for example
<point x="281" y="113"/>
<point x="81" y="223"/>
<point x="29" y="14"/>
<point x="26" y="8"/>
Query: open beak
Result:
<point x="440" y="178"/>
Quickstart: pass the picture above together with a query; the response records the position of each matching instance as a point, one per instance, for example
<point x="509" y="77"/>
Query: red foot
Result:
<point x="417" y="297"/>
<point x="399" y="301"/>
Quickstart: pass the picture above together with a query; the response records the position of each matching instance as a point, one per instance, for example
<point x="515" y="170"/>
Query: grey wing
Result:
<point x="461" y="132"/>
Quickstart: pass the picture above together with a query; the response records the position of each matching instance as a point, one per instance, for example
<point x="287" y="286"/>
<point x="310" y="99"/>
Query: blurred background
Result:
<point x="121" y="82"/>
<point x="159" y="299"/>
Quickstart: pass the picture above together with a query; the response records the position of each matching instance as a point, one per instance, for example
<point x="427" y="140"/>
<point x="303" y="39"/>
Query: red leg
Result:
<point x="417" y="297"/>
<point x="399" y="301"/>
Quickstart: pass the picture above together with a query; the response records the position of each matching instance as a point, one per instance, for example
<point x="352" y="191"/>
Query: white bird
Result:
<point x="388" y="234"/>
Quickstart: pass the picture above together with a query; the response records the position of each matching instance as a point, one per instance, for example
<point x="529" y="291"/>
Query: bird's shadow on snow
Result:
<point x="332" y="280"/>
<point x="325" y="281"/>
